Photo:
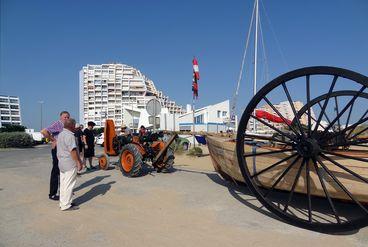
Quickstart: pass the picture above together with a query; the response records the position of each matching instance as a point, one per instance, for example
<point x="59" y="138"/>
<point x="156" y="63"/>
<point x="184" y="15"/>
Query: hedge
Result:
<point x="15" y="140"/>
<point x="196" y="151"/>
<point x="13" y="128"/>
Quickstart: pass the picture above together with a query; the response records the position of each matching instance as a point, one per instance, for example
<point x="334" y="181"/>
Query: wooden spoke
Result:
<point x="294" y="185"/>
<point x="281" y="176"/>
<point x="341" y="185"/>
<point x="293" y="109"/>
<point x="325" y="104"/>
<point x="326" y="192"/>
<point x="275" y="164"/>
<point x="351" y="102"/>
<point x="270" y="152"/>
<point x="344" y="168"/>
<point x="274" y="128"/>
<point x="281" y="116"/>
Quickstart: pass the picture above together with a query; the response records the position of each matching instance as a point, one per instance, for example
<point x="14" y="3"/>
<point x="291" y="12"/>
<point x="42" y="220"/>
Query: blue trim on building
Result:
<point x="210" y="123"/>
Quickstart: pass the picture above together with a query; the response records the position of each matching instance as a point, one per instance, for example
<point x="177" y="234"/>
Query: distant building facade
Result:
<point x="108" y="91"/>
<point x="10" y="110"/>
<point x="285" y="110"/>
<point x="213" y="118"/>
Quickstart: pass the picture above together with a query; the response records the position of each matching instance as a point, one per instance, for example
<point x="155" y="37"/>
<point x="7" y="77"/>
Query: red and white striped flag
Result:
<point x="195" y="68"/>
<point x="195" y="78"/>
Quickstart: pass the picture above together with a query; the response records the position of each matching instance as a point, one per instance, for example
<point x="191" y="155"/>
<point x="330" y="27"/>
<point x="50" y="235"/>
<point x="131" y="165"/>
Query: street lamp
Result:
<point x="41" y="103"/>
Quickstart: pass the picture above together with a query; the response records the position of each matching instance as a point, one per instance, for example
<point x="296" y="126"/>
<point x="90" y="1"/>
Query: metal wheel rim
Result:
<point x="127" y="161"/>
<point x="102" y="161"/>
<point x="322" y="227"/>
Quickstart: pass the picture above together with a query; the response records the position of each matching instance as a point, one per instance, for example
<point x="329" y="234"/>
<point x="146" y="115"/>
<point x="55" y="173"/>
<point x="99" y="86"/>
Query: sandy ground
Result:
<point x="192" y="206"/>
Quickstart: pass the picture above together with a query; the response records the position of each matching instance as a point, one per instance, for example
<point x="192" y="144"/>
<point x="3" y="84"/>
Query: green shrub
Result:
<point x="179" y="149"/>
<point x="97" y="131"/>
<point x="197" y="151"/>
<point x="12" y="128"/>
<point x="15" y="140"/>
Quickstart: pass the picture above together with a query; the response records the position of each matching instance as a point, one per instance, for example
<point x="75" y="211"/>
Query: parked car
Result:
<point x="99" y="140"/>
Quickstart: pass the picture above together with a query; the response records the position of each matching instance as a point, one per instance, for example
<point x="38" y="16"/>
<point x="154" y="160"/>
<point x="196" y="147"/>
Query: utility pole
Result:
<point x="41" y="103"/>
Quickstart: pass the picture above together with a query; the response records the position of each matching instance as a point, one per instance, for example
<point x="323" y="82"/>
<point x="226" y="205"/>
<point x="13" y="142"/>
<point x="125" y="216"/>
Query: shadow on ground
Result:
<point x="94" y="180"/>
<point x="241" y="192"/>
<point x="97" y="190"/>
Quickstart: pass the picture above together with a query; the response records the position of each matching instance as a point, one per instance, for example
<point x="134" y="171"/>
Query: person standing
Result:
<point x="142" y="131"/>
<point x="89" y="141"/>
<point x="125" y="131"/>
<point x="52" y="133"/>
<point x="78" y="133"/>
<point x="69" y="164"/>
<point x="79" y="136"/>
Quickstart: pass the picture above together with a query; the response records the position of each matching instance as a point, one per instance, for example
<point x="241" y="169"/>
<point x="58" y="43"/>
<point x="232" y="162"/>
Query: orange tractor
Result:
<point x="136" y="151"/>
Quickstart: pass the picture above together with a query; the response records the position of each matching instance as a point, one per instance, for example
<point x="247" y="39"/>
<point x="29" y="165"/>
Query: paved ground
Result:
<point x="192" y="206"/>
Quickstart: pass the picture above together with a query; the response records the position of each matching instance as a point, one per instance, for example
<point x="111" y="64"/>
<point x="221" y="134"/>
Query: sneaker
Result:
<point x="93" y="168"/>
<point x="72" y="208"/>
<point x="88" y="169"/>
<point x="54" y="197"/>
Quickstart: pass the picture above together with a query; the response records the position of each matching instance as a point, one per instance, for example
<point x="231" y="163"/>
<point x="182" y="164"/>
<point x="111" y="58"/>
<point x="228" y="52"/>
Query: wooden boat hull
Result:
<point x="224" y="159"/>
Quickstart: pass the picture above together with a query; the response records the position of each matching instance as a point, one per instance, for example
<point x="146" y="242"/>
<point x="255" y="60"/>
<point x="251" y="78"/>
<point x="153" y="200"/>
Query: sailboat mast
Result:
<point x="255" y="59"/>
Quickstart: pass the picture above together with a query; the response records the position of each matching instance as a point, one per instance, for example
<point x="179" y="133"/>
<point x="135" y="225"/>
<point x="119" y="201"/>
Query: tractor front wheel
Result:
<point x="169" y="157"/>
<point x="130" y="161"/>
<point x="103" y="162"/>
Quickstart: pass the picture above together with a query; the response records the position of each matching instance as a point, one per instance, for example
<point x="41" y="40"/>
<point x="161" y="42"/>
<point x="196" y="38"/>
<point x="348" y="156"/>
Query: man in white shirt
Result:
<point x="69" y="163"/>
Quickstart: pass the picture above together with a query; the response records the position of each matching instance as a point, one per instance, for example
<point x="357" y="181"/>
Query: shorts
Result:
<point x="89" y="152"/>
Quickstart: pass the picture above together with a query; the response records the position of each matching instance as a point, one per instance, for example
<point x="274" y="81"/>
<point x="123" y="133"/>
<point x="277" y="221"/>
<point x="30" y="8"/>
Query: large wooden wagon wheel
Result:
<point x="312" y="171"/>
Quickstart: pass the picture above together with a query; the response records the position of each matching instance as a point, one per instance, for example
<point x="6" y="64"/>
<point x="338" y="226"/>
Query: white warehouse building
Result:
<point x="213" y="118"/>
<point x="119" y="92"/>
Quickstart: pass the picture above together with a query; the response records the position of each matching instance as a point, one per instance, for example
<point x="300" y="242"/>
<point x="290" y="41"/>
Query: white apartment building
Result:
<point x="109" y="90"/>
<point x="212" y="118"/>
<point x="285" y="110"/>
<point x="10" y="110"/>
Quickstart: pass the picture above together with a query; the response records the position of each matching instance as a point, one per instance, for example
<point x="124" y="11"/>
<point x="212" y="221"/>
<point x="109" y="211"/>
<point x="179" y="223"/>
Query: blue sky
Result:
<point x="44" y="44"/>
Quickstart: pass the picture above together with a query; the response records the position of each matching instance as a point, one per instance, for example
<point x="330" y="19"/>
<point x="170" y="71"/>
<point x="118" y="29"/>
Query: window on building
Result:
<point x="224" y="113"/>
<point x="5" y="118"/>
<point x="14" y="107"/>
<point x="5" y="112"/>
<point x="13" y="101"/>
<point x="198" y="119"/>
<point x="218" y="114"/>
<point x="3" y="100"/>
<point x="4" y="106"/>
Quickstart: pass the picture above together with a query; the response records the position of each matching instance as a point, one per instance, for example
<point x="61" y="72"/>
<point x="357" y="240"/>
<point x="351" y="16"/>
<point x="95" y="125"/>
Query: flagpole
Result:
<point x="195" y="92"/>
<point x="193" y="108"/>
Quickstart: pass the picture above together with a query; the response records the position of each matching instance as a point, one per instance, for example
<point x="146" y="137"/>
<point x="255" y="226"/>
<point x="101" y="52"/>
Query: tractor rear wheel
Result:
<point x="130" y="161"/>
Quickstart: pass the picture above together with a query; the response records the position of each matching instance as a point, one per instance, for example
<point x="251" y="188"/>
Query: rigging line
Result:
<point x="266" y="72"/>
<point x="275" y="37"/>
<point x="245" y="51"/>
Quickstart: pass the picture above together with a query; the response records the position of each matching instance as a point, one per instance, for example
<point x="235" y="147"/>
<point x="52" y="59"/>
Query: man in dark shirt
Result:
<point x="80" y="143"/>
<point x="79" y="136"/>
<point x="89" y="141"/>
